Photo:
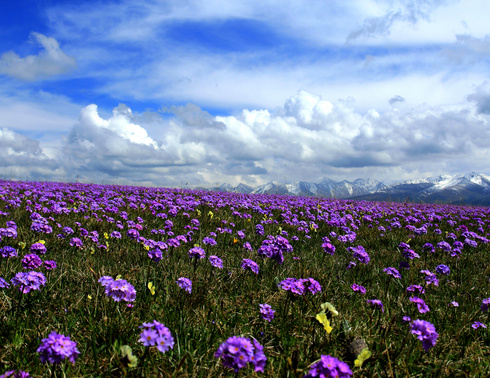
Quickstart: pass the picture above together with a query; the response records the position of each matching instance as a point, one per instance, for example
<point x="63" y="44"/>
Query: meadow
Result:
<point x="133" y="281"/>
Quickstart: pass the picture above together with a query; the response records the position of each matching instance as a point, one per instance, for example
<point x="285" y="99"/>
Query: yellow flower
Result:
<point x="42" y="242"/>
<point x="322" y="318"/>
<point x="118" y="277"/>
<point x="22" y="245"/>
<point x="363" y="356"/>
<point x="151" y="287"/>
<point x="89" y="296"/>
<point x="147" y="247"/>
<point x="106" y="235"/>
<point x="328" y="306"/>
<point x="210" y="214"/>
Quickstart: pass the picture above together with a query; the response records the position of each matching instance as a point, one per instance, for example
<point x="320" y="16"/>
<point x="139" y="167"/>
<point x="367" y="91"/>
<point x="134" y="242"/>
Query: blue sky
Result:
<point x="162" y="92"/>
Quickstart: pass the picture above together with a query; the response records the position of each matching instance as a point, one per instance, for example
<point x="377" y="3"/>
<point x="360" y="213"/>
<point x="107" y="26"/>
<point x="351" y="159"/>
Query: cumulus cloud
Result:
<point x="22" y="157"/>
<point x="481" y="97"/>
<point x="50" y="61"/>
<point x="305" y="139"/>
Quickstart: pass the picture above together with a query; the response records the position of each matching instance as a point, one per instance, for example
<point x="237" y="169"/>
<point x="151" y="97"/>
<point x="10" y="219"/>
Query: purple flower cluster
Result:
<point x="8" y="251"/>
<point x="300" y="286"/>
<point x="360" y="253"/>
<point x="185" y="283"/>
<point x="31" y="261"/>
<point x="250" y="265"/>
<point x="119" y="290"/>
<point x="237" y="352"/>
<point x="358" y="288"/>
<point x="329" y="367"/>
<point x="197" y="253"/>
<point x="216" y="261"/>
<point x="485" y="304"/>
<point x="28" y="281"/>
<point x="393" y="272"/>
<point x="155" y="333"/>
<point x="425" y="332"/>
<point x="267" y="312"/>
<point x="56" y="348"/>
<point x="421" y="306"/>
<point x="443" y="269"/>
<point x="274" y="248"/>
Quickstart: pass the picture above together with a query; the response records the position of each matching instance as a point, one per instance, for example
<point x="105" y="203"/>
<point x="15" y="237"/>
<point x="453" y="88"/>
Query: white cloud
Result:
<point x="51" y="61"/>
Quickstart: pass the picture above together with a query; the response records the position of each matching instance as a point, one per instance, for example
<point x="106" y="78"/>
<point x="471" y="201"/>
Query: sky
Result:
<point x="197" y="93"/>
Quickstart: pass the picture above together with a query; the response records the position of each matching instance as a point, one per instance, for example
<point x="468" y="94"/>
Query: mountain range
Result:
<point x="467" y="189"/>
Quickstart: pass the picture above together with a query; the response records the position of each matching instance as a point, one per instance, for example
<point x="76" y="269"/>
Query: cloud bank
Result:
<point x="305" y="139"/>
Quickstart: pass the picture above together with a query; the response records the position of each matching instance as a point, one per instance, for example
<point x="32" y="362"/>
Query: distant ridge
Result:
<point x="468" y="189"/>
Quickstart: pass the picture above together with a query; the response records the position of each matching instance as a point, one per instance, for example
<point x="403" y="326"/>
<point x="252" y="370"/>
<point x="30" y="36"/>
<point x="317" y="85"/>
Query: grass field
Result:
<point x="110" y="258"/>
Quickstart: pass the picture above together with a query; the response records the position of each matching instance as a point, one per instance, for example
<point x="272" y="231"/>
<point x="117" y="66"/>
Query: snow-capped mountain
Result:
<point x="469" y="189"/>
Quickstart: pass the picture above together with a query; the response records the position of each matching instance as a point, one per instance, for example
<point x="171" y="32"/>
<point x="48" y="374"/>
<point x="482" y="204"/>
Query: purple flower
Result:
<point x="328" y="248"/>
<point x="416" y="288"/>
<point x="376" y="303"/>
<point x="13" y="374"/>
<point x="155" y="254"/>
<point x="119" y="290"/>
<point x="299" y="286"/>
<point x="485" y="303"/>
<point x="3" y="283"/>
<point x="351" y="265"/>
<point x="209" y="241"/>
<point x="250" y="265"/>
<point x="422" y="307"/>
<point x="31" y="261"/>
<point x="133" y="233"/>
<point x="454" y="304"/>
<point x="477" y="325"/>
<point x="197" y="253"/>
<point x="68" y="230"/>
<point x="55" y="348"/>
<point x="358" y="288"/>
<point x="8" y="251"/>
<point x="360" y="253"/>
<point x="329" y="367"/>
<point x="425" y="332"/>
<point x="237" y="352"/>
<point x="259" y="229"/>
<point x="410" y="254"/>
<point x="404" y="265"/>
<point x="155" y="333"/>
<point x="76" y="242"/>
<point x="28" y="281"/>
<point x="443" y="269"/>
<point x="38" y="248"/>
<point x="267" y="312"/>
<point x="445" y="246"/>
<point x="406" y="319"/>
<point x="393" y="272"/>
<point x="430" y="278"/>
<point x="216" y="262"/>
<point x="185" y="283"/>
<point x="50" y="264"/>
<point x="105" y="280"/>
<point x="115" y="234"/>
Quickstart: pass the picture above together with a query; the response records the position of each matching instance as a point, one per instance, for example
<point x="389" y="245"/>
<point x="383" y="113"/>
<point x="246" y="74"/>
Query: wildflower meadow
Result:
<point x="133" y="281"/>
